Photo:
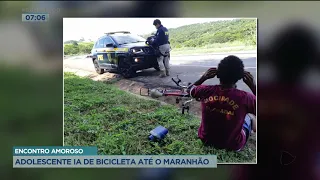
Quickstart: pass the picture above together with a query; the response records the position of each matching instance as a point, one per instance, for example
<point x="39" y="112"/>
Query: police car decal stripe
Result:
<point x="112" y="50"/>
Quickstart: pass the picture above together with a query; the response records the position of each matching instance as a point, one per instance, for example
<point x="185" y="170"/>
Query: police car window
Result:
<point x="107" y="41"/>
<point x="96" y="45"/>
<point x="100" y="43"/>
<point x="126" y="39"/>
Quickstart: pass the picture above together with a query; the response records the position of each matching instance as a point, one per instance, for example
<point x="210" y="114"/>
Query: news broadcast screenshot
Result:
<point x="164" y="90"/>
<point x="155" y="92"/>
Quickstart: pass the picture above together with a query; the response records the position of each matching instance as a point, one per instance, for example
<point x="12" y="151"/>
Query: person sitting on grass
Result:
<point x="227" y="119"/>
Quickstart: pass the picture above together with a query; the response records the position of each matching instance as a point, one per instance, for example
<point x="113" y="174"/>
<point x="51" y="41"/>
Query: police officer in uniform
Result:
<point x="162" y="42"/>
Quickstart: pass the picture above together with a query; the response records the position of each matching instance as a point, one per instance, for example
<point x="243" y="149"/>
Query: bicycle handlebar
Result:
<point x="178" y="82"/>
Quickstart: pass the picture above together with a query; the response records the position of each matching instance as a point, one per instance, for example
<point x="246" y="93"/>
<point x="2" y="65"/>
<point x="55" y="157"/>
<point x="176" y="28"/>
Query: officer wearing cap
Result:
<point x="162" y="42"/>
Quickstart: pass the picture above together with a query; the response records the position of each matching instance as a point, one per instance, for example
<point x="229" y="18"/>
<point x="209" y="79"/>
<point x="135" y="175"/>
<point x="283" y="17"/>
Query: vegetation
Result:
<point x="118" y="123"/>
<point x="215" y="36"/>
<point x="242" y="31"/>
<point x="75" y="48"/>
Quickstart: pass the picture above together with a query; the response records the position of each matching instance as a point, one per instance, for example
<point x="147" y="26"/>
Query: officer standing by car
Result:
<point x="162" y="42"/>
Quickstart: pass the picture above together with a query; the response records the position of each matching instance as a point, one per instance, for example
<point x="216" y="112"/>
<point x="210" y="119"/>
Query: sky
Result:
<point x="93" y="28"/>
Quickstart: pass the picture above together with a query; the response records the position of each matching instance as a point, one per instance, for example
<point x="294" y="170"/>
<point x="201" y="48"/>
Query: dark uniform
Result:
<point x="162" y="36"/>
<point x="162" y="41"/>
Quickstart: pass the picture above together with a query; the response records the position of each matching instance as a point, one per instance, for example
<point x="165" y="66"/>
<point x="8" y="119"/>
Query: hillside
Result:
<point x="199" y="35"/>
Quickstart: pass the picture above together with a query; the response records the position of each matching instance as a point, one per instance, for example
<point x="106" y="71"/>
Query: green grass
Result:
<point x="118" y="123"/>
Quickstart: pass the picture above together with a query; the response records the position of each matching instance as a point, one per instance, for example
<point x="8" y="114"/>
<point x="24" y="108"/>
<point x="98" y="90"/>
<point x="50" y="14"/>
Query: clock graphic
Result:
<point x="35" y="17"/>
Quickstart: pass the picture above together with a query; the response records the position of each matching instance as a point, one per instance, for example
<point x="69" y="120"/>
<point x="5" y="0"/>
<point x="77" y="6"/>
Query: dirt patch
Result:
<point x="131" y="86"/>
<point x="106" y="77"/>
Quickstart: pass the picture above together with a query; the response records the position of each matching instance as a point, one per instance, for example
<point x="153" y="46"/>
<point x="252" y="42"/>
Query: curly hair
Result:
<point x="230" y="70"/>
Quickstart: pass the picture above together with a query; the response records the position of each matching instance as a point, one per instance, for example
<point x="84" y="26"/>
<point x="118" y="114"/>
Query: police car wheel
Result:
<point x="127" y="73"/>
<point x="125" y="69"/>
<point x="97" y="67"/>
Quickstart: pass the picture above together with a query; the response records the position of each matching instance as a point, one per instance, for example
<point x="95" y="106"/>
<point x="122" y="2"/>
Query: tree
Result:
<point x="75" y="43"/>
<point x="70" y="42"/>
<point x="81" y="39"/>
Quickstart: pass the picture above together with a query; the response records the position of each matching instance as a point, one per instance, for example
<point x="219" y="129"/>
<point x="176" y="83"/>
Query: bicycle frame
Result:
<point x="179" y="93"/>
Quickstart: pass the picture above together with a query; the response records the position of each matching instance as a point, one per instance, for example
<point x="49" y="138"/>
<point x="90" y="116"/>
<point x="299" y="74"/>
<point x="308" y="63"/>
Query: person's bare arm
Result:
<point x="248" y="79"/>
<point x="195" y="89"/>
<point x="210" y="73"/>
<point x="200" y="81"/>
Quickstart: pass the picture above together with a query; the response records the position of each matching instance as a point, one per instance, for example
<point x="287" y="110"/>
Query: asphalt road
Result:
<point x="189" y="68"/>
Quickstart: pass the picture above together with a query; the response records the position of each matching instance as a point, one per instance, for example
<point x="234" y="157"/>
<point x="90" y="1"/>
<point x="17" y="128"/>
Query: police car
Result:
<point x="124" y="53"/>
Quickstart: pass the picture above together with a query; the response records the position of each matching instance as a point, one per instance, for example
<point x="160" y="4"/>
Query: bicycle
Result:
<point x="181" y="94"/>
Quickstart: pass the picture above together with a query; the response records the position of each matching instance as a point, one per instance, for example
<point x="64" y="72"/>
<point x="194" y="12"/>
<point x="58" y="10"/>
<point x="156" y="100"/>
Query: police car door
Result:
<point x="103" y="53"/>
<point x="100" y="51"/>
<point x="110" y="51"/>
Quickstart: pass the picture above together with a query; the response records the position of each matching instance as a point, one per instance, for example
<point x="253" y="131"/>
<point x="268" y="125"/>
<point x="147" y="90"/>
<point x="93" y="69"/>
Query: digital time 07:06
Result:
<point x="35" y="17"/>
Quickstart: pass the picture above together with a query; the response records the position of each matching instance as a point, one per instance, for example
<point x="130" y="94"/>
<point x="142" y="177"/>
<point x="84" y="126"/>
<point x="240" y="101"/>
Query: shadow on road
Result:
<point x="148" y="73"/>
